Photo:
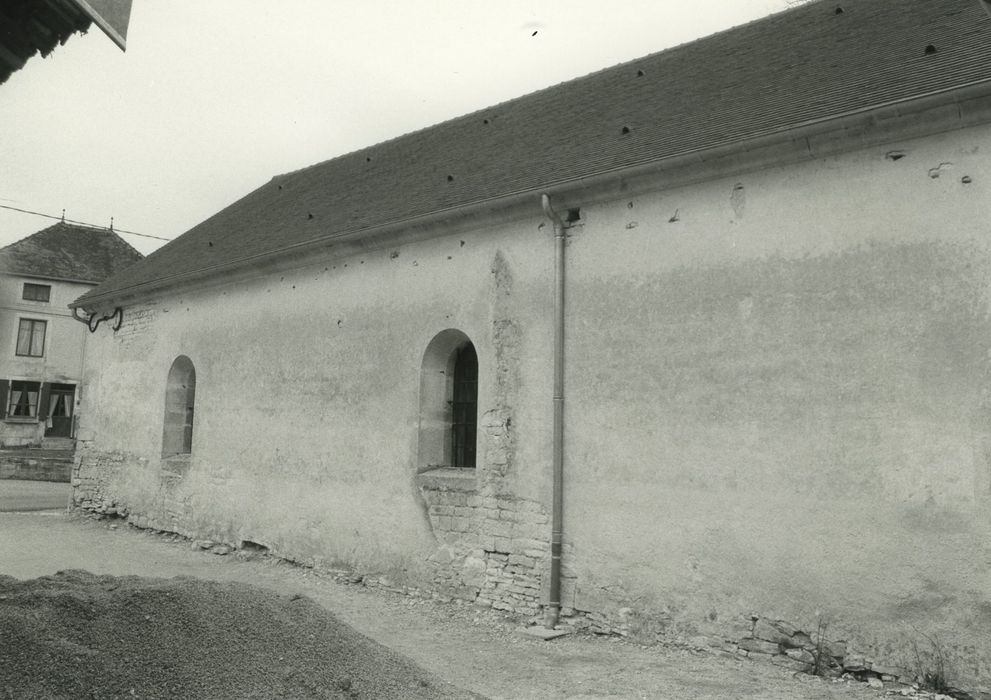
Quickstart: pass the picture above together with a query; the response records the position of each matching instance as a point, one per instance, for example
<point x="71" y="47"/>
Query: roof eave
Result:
<point x="970" y="104"/>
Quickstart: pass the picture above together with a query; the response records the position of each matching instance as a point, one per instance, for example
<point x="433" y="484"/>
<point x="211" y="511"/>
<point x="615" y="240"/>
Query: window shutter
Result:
<point x="46" y="392"/>
<point x="4" y="388"/>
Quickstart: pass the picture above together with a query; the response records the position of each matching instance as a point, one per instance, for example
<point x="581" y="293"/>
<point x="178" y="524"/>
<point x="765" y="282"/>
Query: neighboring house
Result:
<point x="771" y="395"/>
<point x="41" y="346"/>
<point x="29" y="27"/>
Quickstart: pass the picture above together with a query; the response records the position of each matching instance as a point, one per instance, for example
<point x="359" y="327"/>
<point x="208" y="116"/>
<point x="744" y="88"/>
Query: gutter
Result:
<point x="553" y="612"/>
<point x="885" y="112"/>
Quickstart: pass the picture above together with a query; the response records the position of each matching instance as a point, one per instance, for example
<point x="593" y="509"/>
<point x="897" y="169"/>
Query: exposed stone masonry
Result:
<point x="93" y="471"/>
<point x="492" y="549"/>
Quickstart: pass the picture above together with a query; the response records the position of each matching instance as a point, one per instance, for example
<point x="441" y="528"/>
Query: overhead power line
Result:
<point x="83" y="223"/>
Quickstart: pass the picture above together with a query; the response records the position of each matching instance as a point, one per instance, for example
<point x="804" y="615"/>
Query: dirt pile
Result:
<point x="78" y="635"/>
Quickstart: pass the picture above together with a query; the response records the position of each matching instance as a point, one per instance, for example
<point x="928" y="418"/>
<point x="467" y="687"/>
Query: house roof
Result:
<point x="811" y="63"/>
<point x="68" y="252"/>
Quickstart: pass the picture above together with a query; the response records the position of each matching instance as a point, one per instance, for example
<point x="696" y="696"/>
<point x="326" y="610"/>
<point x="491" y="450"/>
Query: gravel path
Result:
<point x="470" y="648"/>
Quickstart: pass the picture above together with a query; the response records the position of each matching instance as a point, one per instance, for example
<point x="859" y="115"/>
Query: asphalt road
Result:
<point x="18" y="495"/>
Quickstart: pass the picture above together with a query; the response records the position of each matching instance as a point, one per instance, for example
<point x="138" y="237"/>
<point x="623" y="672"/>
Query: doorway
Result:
<point x="60" y="405"/>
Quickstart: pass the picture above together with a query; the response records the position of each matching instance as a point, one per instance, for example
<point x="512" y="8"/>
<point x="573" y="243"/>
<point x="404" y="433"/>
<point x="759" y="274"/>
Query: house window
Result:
<point x="448" y="403"/>
<point x="37" y="292"/>
<point x="465" y="407"/>
<point x="23" y="399"/>
<point x="31" y="337"/>
<point x="180" y="395"/>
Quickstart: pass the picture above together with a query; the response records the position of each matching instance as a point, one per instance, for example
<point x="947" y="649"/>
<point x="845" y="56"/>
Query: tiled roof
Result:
<point x="68" y="252"/>
<point x="813" y="62"/>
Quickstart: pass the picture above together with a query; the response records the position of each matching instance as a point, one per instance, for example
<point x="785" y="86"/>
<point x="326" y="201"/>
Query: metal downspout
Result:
<point x="553" y="612"/>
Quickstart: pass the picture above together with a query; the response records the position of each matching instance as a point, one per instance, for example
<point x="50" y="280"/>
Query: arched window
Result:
<point x="180" y="395"/>
<point x="448" y="402"/>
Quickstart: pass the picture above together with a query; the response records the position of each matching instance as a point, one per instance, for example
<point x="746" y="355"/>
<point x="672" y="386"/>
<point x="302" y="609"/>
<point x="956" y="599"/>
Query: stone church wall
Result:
<point x="777" y="406"/>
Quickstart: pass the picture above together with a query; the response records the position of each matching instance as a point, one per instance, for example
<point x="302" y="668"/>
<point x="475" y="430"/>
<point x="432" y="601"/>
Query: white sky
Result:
<point x="213" y="98"/>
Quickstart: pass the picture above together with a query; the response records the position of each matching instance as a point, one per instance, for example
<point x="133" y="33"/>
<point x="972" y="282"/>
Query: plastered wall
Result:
<point x="778" y="401"/>
<point x="307" y="399"/>
<point x="776" y="405"/>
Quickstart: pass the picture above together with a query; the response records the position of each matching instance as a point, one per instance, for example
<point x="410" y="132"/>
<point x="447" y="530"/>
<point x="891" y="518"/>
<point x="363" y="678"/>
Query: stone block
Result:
<point x="773" y="631"/>
<point x="759" y="646"/>
<point x="802" y="655"/>
<point x="521" y="561"/>
<point x="530" y="531"/>
<point x="521" y="544"/>
<point x="500" y="528"/>
<point x="835" y="649"/>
